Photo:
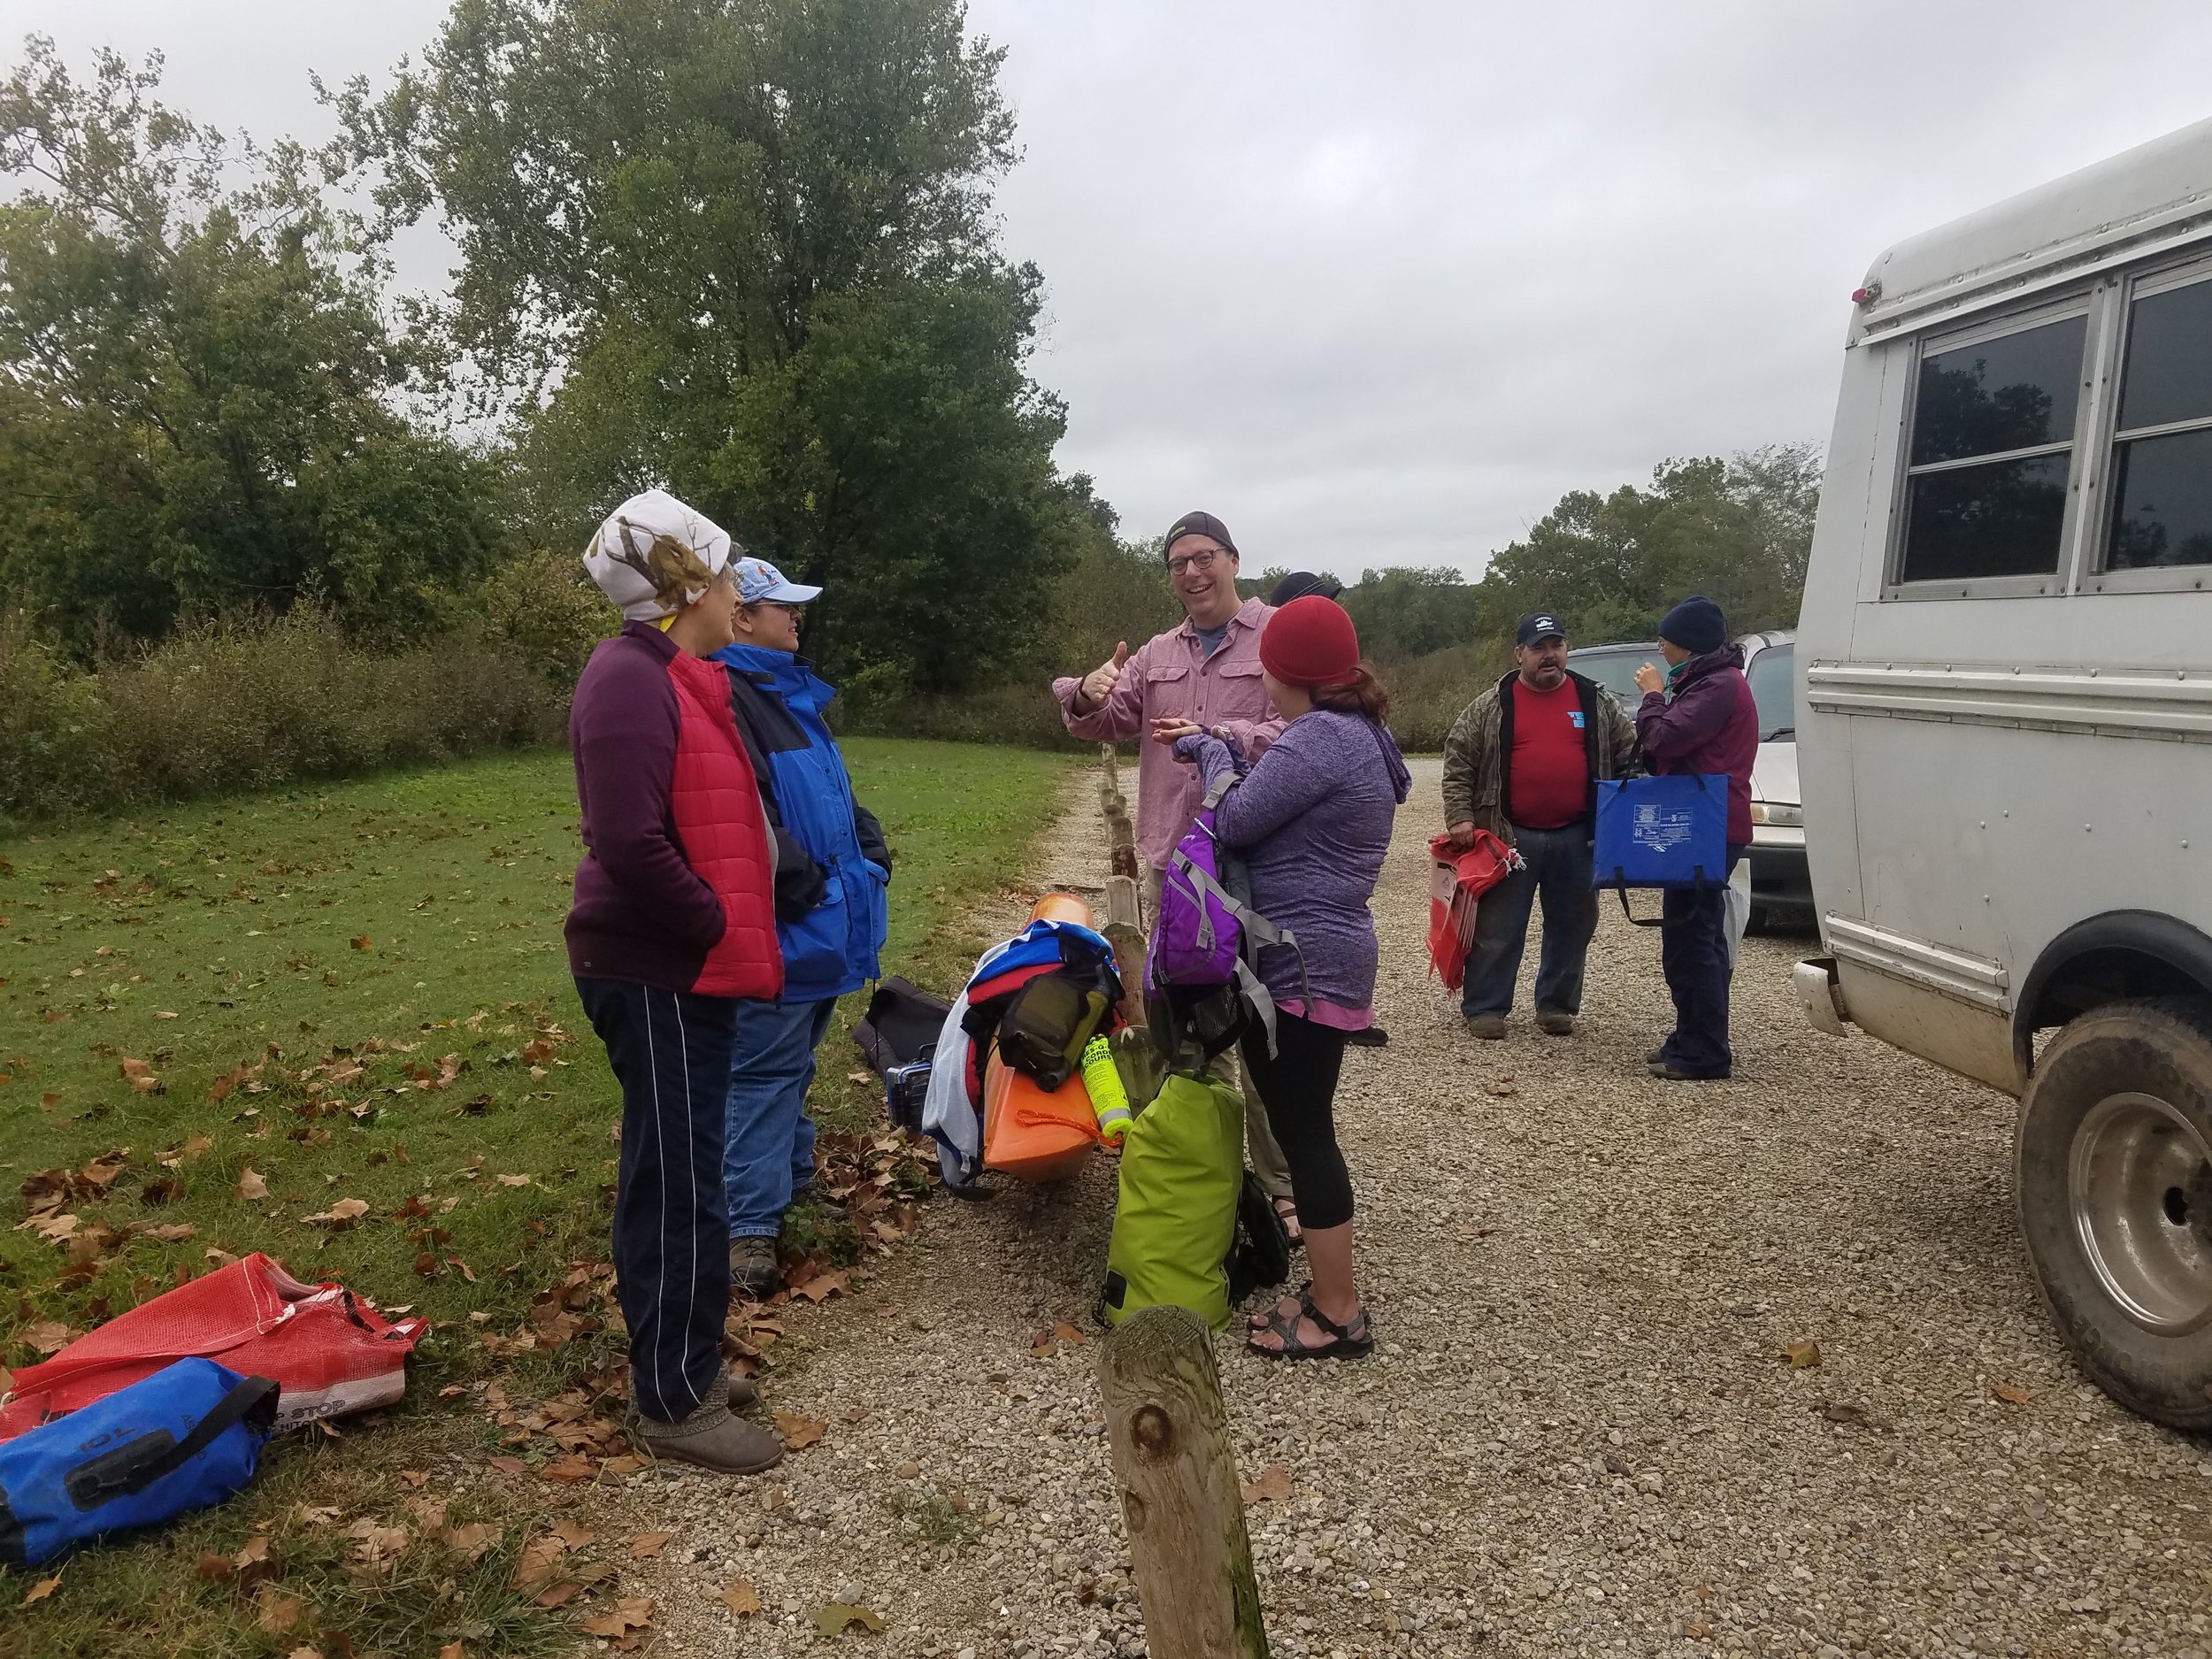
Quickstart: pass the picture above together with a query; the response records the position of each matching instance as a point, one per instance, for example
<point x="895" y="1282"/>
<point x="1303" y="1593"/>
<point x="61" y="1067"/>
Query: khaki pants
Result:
<point x="1259" y="1140"/>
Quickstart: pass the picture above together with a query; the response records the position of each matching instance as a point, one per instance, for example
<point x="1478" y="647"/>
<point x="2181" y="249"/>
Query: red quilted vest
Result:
<point x="716" y="803"/>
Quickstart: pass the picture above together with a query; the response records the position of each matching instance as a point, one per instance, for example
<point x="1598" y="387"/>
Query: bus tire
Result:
<point x="2113" y="1166"/>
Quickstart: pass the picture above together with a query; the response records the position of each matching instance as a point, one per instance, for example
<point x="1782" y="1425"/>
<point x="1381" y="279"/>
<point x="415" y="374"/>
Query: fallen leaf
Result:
<point x="536" y="1563"/>
<point x="798" y="1430"/>
<point x="569" y="1468"/>
<point x="1697" y="1628"/>
<point x="251" y="1187"/>
<point x="453" y="1650"/>
<point x="279" y="1615"/>
<point x="558" y="1594"/>
<point x="44" y="1589"/>
<point x="823" y="1284"/>
<point x="471" y="1542"/>
<point x="740" y="1598"/>
<point x="50" y="1103"/>
<point x="1503" y="1089"/>
<point x="514" y="1180"/>
<point x="1475" y="1230"/>
<point x="173" y="1233"/>
<point x="1043" y="1346"/>
<point x="632" y="1612"/>
<point x="1272" y="1486"/>
<point x="342" y="1215"/>
<point x="215" y="1569"/>
<point x="1801" y="1356"/>
<point x="1842" y="1411"/>
<point x="2011" y="1394"/>
<point x="838" y="1616"/>
<point x="140" y="1075"/>
<point x="574" y="1534"/>
<point x="647" y="1545"/>
<point x="47" y="1336"/>
<point x="362" y="941"/>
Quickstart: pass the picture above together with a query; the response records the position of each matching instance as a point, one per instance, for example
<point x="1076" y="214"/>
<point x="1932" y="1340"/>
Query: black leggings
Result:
<point x="1298" y="1087"/>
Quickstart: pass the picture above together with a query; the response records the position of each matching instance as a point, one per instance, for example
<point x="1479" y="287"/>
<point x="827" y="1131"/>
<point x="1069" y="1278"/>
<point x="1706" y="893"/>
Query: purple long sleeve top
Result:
<point x="1312" y="818"/>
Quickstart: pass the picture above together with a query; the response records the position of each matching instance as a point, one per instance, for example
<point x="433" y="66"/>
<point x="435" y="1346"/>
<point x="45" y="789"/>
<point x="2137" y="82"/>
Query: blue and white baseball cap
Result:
<point x="758" y="580"/>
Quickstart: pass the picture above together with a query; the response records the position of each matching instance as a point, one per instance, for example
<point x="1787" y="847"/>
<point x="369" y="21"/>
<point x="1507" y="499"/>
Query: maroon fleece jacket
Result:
<point x="1710" y="726"/>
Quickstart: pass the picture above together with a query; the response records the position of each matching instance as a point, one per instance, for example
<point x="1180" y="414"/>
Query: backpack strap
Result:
<point x="136" y="1465"/>
<point x="1257" y="929"/>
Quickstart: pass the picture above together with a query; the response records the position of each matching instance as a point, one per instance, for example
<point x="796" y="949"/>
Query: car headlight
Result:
<point x="1778" y="814"/>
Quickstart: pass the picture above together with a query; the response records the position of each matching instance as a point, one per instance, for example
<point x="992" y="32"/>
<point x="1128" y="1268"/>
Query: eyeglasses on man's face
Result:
<point x="1194" y="562"/>
<point x="796" y="612"/>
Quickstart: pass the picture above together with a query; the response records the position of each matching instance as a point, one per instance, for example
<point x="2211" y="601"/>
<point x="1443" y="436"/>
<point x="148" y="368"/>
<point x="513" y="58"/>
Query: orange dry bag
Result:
<point x="1030" y="1134"/>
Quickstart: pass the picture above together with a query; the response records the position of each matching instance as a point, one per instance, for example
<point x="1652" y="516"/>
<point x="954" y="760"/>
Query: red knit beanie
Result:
<point x="1310" y="642"/>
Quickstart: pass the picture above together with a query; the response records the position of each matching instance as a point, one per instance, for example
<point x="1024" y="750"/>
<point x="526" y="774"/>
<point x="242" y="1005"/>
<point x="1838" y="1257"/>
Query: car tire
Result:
<point x="2113" y="1161"/>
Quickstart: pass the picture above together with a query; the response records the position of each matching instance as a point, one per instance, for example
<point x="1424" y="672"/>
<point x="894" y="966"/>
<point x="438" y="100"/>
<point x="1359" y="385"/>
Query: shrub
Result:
<point x="248" y="701"/>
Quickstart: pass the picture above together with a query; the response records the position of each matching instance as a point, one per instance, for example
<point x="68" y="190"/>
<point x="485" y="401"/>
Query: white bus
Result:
<point x="2004" y="688"/>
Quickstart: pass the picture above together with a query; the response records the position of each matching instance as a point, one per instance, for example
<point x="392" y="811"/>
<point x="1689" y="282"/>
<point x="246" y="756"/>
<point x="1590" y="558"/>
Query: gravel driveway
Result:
<point x="1581" y="1433"/>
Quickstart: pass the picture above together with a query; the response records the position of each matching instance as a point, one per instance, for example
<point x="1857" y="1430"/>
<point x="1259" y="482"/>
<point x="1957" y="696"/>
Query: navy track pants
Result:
<point x="670" y="1053"/>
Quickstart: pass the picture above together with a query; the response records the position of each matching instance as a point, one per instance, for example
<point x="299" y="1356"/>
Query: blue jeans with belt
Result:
<point x="769" y="1152"/>
<point x="1558" y="873"/>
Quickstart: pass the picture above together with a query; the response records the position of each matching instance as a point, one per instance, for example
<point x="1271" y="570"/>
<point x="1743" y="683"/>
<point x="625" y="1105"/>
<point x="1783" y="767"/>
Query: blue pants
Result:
<point x="769" y="1152"/>
<point x="1693" y="955"/>
<point x="1559" y="873"/>
<point x="671" y="1054"/>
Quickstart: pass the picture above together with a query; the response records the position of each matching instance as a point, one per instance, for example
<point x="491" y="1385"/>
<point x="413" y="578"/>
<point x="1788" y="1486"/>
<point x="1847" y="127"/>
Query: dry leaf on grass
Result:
<point x="647" y="1545"/>
<point x="453" y="1650"/>
<point x="740" y="1598"/>
<point x="2011" y="1394"/>
<point x="251" y="1186"/>
<point x="1272" y="1486"/>
<point x="838" y="1616"/>
<point x="47" y="1336"/>
<point x="574" y="1534"/>
<point x="539" y="1560"/>
<point x="40" y="1591"/>
<point x="362" y="941"/>
<point x="279" y="1615"/>
<point x="558" y="1594"/>
<point x="140" y="1075"/>
<point x="471" y="1542"/>
<point x="342" y="1215"/>
<point x="1801" y="1356"/>
<point x="798" y="1430"/>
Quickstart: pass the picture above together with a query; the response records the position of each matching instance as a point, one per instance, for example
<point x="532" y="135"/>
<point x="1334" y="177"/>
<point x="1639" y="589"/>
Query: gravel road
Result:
<point x="1580" y="1434"/>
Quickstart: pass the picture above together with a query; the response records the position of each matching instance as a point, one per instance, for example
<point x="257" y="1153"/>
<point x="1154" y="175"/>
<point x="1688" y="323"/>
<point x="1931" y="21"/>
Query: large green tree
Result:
<point x="1739" y="532"/>
<point x="745" y="248"/>
<point x="197" y="395"/>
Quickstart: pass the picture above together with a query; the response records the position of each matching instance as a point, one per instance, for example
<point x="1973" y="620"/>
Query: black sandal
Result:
<point x="1354" y="1341"/>
<point x="1287" y="1211"/>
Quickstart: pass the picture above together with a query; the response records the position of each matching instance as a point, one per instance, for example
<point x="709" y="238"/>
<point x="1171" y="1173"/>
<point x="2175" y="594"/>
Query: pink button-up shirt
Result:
<point x="1170" y="678"/>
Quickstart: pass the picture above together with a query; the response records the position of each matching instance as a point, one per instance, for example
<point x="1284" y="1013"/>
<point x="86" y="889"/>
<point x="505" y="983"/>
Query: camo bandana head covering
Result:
<point x="653" y="556"/>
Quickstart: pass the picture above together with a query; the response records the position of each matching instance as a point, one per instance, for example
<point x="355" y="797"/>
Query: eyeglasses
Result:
<point x="1194" y="562"/>
<point x="793" y="611"/>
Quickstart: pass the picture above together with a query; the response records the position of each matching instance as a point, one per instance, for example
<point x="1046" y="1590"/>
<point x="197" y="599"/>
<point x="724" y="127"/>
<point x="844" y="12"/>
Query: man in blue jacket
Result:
<point x="832" y="870"/>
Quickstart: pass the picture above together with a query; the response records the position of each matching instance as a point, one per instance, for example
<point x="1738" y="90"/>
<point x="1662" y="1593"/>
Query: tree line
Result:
<point x="743" y="249"/>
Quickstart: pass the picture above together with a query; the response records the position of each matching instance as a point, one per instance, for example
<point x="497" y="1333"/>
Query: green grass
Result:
<point x="408" y="924"/>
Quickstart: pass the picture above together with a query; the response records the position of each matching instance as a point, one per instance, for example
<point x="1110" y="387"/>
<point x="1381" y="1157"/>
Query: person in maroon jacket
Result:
<point x="673" y="921"/>
<point x="1699" y="717"/>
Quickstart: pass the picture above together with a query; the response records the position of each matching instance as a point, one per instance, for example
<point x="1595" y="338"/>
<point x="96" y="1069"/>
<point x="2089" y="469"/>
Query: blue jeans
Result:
<point x="769" y="1153"/>
<point x="1558" y="872"/>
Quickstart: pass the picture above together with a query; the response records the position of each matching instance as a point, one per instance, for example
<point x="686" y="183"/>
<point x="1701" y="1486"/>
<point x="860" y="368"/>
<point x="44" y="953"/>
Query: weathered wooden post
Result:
<point x="1180" y="1497"/>
<point x="1126" y="919"/>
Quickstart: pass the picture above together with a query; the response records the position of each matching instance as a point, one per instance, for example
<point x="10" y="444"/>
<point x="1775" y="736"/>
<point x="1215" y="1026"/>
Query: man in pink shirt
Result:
<point x="1202" y="675"/>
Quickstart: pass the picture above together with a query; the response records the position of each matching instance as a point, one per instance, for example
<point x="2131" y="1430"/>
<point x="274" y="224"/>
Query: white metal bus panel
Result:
<point x="1987" y="762"/>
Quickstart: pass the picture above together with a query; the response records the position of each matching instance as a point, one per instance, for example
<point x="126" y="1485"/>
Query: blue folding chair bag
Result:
<point x="1667" y="832"/>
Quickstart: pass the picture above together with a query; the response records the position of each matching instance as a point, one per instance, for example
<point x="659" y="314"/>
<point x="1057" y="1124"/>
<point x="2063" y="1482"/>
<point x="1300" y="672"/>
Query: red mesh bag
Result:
<point x="1461" y="875"/>
<point x="329" y="1352"/>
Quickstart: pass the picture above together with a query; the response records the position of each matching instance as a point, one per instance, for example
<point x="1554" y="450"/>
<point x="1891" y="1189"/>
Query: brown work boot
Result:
<point x="1489" y="1028"/>
<point x="1553" y="1023"/>
<point x="753" y="1270"/>
<point x="711" y="1438"/>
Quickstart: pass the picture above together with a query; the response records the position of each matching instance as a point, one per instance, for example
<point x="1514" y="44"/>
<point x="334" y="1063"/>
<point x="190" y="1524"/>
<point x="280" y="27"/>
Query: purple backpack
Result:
<point x="1206" y="924"/>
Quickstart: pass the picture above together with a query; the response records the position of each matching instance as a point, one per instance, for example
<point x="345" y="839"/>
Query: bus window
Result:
<point x="1992" y="439"/>
<point x="2162" y="460"/>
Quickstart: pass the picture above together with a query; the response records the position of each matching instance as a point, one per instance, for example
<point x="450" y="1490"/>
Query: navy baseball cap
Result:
<point x="1541" y="624"/>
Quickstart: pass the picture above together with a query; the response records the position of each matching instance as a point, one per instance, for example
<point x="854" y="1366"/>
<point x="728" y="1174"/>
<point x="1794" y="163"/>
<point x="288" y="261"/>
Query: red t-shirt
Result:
<point x="1549" y="785"/>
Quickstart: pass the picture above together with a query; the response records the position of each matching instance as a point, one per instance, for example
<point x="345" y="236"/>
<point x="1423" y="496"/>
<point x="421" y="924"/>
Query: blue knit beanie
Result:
<point x="1695" y="624"/>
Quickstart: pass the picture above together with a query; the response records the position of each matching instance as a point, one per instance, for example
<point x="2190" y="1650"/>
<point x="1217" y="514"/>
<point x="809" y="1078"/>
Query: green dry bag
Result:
<point x="1182" y="1164"/>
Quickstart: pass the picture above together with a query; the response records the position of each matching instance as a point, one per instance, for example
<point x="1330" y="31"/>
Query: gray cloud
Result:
<point x="1378" y="283"/>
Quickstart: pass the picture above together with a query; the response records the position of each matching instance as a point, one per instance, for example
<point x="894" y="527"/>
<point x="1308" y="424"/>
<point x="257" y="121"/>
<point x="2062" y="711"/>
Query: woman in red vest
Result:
<point x="673" y="921"/>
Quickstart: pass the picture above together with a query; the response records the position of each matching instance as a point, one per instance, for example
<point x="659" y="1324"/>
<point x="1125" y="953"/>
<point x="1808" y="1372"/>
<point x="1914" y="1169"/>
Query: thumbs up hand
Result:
<point x="1099" y="684"/>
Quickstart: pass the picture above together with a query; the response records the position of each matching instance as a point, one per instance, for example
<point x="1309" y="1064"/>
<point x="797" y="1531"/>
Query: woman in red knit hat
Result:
<point x="1312" y="818"/>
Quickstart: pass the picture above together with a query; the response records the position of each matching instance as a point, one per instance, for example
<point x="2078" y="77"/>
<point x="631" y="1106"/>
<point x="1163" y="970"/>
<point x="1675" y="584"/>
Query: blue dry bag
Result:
<point x="185" y="1438"/>
<point x="1661" y="833"/>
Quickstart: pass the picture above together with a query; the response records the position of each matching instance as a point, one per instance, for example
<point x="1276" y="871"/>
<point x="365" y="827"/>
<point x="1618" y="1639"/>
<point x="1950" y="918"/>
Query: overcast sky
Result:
<point x="1377" y="283"/>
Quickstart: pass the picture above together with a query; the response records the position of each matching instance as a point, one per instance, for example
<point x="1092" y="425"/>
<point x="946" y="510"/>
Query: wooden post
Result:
<point x="1180" y="1497"/>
